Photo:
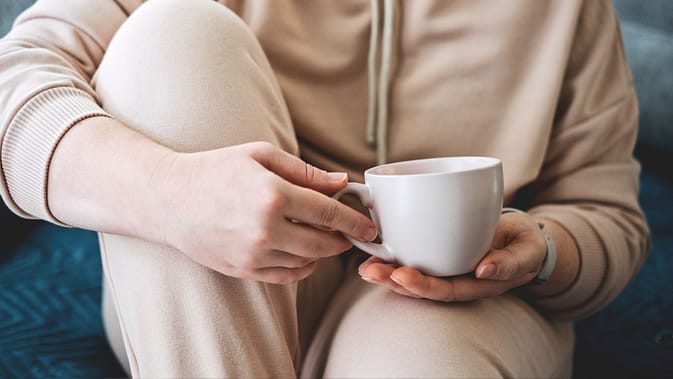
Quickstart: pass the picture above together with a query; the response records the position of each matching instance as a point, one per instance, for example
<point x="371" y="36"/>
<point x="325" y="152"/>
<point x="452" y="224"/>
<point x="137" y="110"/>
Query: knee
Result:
<point x="208" y="19"/>
<point x="192" y="76"/>
<point x="177" y="36"/>
<point x="184" y="24"/>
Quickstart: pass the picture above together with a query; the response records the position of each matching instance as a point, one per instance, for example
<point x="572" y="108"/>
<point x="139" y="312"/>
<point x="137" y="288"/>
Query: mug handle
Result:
<point x="362" y="191"/>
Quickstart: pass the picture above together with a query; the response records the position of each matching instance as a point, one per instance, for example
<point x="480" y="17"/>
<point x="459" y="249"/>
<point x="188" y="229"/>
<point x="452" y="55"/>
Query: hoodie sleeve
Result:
<point x="589" y="182"/>
<point x="47" y="62"/>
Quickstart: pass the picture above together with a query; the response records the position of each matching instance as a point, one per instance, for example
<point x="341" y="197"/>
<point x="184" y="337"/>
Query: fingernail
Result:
<point x="370" y="234"/>
<point x="337" y="176"/>
<point x="486" y="272"/>
<point x="397" y="280"/>
<point x="369" y="279"/>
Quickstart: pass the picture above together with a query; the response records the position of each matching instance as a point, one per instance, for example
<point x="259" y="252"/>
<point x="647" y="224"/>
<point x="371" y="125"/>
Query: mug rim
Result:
<point x="490" y="162"/>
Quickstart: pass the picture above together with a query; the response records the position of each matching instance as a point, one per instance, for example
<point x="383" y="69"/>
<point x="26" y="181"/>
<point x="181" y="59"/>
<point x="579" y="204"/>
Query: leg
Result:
<point x="383" y="334"/>
<point x="191" y="76"/>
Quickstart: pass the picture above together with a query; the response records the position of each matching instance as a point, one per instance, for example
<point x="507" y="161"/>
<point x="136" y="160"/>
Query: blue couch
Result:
<point x="50" y="278"/>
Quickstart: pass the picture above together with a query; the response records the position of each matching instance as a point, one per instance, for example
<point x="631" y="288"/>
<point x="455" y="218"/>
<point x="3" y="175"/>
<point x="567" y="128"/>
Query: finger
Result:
<point x="510" y="262"/>
<point x="402" y="291"/>
<point x="269" y="258"/>
<point x="277" y="258"/>
<point x="376" y="271"/>
<point x="309" y="242"/>
<point x="461" y="288"/>
<point x="518" y="249"/>
<point x="281" y="275"/>
<point x="363" y="266"/>
<point x="424" y="286"/>
<point x="296" y="170"/>
<point x="314" y="208"/>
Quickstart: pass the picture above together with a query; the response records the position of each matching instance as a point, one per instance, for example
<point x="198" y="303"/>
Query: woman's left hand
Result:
<point x="515" y="258"/>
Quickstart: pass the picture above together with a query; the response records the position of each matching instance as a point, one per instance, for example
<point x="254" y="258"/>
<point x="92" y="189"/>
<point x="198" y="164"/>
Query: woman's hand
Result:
<point x="515" y="258"/>
<point x="253" y="211"/>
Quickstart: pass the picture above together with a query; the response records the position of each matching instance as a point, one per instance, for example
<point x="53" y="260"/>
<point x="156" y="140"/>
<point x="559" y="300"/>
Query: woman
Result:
<point x="193" y="136"/>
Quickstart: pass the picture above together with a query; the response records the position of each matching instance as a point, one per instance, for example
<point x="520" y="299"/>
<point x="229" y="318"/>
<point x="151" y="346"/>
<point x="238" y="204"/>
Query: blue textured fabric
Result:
<point x="50" y="317"/>
<point x="647" y="28"/>
<point x="633" y="336"/>
<point x="655" y="14"/>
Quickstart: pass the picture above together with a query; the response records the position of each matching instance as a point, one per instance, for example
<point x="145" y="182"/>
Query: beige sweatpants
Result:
<point x="192" y="76"/>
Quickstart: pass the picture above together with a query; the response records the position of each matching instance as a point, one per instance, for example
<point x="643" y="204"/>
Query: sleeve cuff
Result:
<point x="576" y="300"/>
<point x="30" y="142"/>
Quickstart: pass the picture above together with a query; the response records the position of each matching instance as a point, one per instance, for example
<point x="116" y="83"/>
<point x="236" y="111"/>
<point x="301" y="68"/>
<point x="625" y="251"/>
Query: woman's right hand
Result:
<point x="253" y="211"/>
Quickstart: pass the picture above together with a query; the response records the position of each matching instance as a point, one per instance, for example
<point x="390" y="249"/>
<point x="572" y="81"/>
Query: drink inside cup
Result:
<point x="434" y="166"/>
<point x="437" y="215"/>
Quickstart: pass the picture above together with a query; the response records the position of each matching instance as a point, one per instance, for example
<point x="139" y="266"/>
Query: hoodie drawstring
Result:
<point x="377" y="113"/>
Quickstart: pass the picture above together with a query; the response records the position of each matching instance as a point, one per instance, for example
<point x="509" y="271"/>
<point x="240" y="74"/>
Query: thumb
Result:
<point x="296" y="171"/>
<point x="498" y="264"/>
<point x="516" y="252"/>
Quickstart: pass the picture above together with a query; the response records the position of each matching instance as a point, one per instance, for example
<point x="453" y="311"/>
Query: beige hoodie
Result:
<point x="542" y="85"/>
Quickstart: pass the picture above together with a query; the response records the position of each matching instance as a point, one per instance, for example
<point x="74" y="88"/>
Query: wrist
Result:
<point x="161" y="201"/>
<point x="561" y="264"/>
<point x="549" y="261"/>
<point x="165" y="191"/>
<point x="567" y="262"/>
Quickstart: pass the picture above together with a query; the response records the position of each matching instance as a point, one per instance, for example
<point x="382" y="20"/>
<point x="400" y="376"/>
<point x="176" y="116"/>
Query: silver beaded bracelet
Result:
<point x="549" y="262"/>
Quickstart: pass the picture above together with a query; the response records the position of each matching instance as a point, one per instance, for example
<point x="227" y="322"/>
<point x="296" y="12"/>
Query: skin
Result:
<point x="250" y="211"/>
<point x="280" y="218"/>
<point x="515" y="258"/>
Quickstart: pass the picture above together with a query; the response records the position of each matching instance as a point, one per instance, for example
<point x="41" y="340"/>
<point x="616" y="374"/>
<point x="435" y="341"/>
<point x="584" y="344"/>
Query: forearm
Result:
<point x="101" y="176"/>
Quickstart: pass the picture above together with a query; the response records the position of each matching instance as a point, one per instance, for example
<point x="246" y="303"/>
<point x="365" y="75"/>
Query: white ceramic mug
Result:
<point x="437" y="215"/>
